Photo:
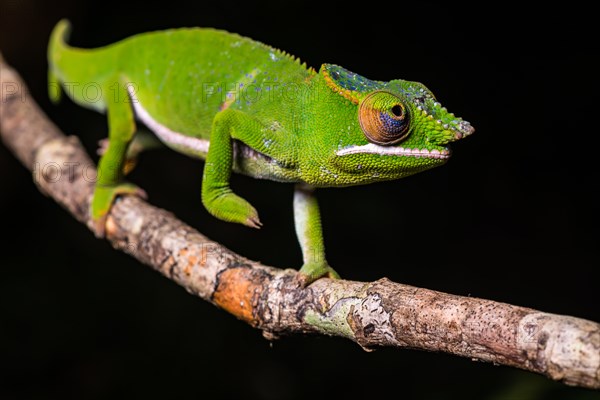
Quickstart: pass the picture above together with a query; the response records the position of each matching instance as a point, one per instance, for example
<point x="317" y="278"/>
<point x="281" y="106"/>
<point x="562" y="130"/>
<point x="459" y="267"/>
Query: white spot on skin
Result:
<point x="164" y="133"/>
<point x="393" y="151"/>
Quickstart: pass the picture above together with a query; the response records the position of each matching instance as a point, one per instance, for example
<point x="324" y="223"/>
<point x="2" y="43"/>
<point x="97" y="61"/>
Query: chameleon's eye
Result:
<point x="384" y="118"/>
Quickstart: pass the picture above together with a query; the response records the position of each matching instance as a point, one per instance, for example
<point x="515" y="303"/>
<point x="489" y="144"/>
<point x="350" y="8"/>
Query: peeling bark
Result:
<point x="381" y="313"/>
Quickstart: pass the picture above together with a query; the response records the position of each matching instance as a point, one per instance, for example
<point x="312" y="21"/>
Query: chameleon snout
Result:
<point x="463" y="129"/>
<point x="443" y="134"/>
<point x="459" y="131"/>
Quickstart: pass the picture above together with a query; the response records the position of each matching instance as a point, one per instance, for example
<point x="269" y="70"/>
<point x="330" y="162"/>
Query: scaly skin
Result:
<point x="246" y="107"/>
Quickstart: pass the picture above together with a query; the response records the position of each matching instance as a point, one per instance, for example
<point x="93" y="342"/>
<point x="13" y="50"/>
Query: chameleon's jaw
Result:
<point x="372" y="148"/>
<point x="368" y="163"/>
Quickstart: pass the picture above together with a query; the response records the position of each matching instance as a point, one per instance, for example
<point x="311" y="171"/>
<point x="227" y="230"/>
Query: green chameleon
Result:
<point x="246" y="107"/>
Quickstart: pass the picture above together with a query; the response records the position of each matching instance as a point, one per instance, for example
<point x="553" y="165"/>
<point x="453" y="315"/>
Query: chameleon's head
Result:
<point x="399" y="128"/>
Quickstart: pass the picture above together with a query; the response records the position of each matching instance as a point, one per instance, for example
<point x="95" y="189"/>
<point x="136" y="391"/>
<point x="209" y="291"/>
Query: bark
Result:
<point x="373" y="314"/>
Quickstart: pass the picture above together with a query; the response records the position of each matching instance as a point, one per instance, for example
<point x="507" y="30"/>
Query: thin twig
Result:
<point x="381" y="313"/>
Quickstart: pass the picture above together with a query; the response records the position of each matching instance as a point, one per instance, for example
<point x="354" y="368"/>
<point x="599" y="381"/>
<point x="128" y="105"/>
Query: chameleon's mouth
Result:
<point x="372" y="148"/>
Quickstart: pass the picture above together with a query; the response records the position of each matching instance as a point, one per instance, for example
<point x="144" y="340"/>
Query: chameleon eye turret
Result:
<point x="384" y="118"/>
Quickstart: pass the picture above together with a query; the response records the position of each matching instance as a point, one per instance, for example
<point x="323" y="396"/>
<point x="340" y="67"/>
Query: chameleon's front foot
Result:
<point x="310" y="272"/>
<point x="104" y="197"/>
<point x="230" y="207"/>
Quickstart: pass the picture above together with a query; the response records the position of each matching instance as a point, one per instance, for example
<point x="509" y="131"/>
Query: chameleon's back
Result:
<point x="182" y="77"/>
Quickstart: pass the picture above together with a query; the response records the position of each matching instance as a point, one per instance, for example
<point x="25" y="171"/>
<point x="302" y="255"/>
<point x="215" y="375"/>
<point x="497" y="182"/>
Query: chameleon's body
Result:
<point x="247" y="107"/>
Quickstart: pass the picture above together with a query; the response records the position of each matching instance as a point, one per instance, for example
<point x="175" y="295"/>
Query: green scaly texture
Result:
<point x="246" y="107"/>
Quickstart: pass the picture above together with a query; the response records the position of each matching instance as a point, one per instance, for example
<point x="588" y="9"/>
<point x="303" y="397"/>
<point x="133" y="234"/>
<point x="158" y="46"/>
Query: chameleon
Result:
<point x="245" y="107"/>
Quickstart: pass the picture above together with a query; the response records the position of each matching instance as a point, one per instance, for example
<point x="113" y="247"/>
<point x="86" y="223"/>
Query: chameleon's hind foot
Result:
<point x="104" y="197"/>
<point x="310" y="272"/>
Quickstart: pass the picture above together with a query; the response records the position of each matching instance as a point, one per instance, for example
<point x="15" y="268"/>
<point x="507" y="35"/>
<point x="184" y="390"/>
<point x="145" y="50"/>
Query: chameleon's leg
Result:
<point x="217" y="196"/>
<point x="310" y="235"/>
<point x="142" y="141"/>
<point x="110" y="183"/>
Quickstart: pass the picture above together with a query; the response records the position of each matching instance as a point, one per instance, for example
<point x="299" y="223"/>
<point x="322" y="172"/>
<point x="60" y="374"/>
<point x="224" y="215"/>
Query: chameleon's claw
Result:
<point x="254" y="222"/>
<point x="141" y="193"/>
<point x="102" y="146"/>
<point x="99" y="226"/>
<point x="312" y="271"/>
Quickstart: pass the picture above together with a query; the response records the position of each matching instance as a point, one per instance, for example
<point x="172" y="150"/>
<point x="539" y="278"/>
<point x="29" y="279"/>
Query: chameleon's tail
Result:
<point x="79" y="71"/>
<point x="56" y="47"/>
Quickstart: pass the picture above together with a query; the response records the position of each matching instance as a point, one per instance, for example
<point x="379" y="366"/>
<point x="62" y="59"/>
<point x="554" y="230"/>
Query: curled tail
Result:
<point x="56" y="47"/>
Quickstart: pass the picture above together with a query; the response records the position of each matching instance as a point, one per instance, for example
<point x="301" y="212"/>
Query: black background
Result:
<point x="512" y="216"/>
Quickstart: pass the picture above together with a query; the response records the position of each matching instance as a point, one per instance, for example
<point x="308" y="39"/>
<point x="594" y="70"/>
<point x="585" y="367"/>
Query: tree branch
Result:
<point x="381" y="313"/>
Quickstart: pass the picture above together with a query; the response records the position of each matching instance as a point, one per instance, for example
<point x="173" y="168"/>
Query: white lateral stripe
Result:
<point x="372" y="148"/>
<point x="165" y="134"/>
